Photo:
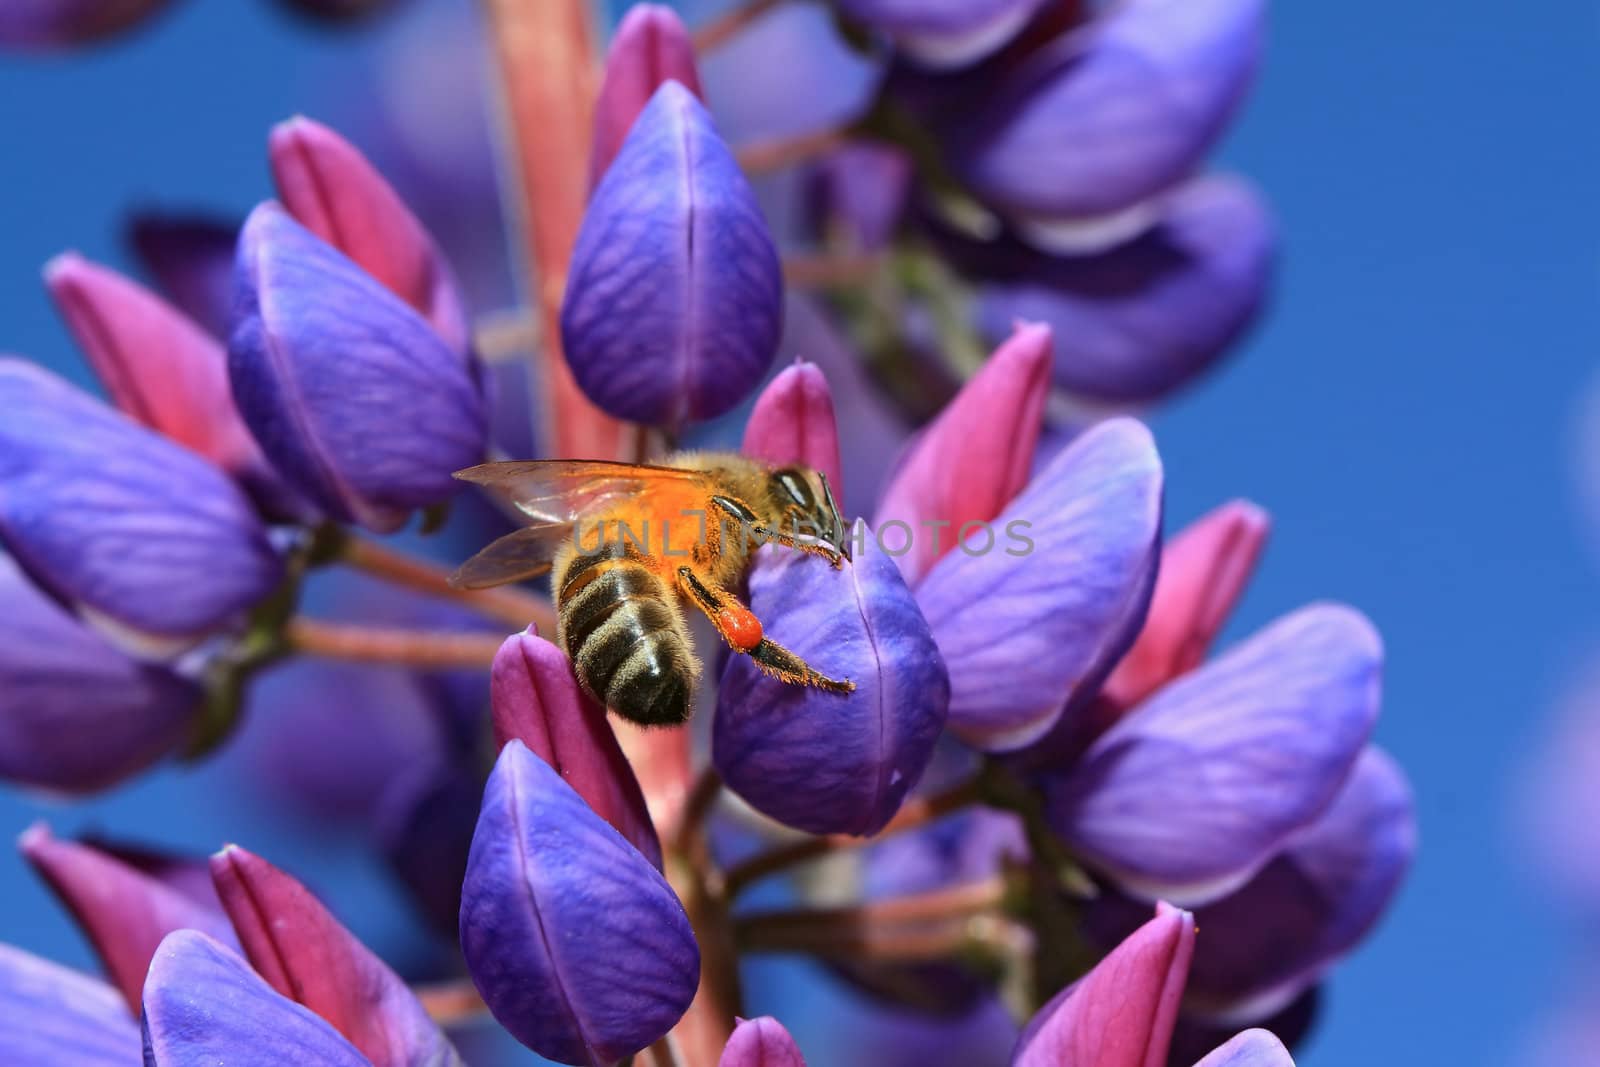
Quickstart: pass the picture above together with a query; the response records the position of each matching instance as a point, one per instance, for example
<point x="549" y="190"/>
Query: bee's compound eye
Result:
<point x="796" y="488"/>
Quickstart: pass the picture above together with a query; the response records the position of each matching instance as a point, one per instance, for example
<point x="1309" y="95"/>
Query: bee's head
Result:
<point x="805" y="493"/>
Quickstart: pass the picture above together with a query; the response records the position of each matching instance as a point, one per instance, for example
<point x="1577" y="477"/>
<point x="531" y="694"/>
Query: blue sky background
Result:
<point x="1408" y="415"/>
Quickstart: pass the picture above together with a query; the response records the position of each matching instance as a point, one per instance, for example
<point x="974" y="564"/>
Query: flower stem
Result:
<point x="722" y="29"/>
<point x="915" y="813"/>
<point x="924" y="926"/>
<point x="664" y="1053"/>
<point x="764" y="157"/>
<point x="425" y="649"/>
<point x="451" y="1002"/>
<point x="824" y="271"/>
<point x="510" y="606"/>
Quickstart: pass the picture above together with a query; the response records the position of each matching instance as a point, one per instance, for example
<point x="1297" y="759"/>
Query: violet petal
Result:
<point x="203" y="1006"/>
<point x="353" y="396"/>
<point x="675" y="298"/>
<point x="1031" y="626"/>
<point x="651" y="47"/>
<point x="62" y="23"/>
<point x="945" y="34"/>
<point x="537" y="700"/>
<point x="577" y="944"/>
<point x="52" y="1015"/>
<point x="1253" y="1048"/>
<point x="761" y="1042"/>
<point x="821" y="761"/>
<point x="1190" y="794"/>
<point x="191" y="259"/>
<point x="793" y="422"/>
<point x="863" y="188"/>
<point x="118" y="521"/>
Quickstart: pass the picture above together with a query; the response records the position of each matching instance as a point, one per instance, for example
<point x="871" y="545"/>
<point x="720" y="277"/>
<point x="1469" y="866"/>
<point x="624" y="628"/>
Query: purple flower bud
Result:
<point x="337" y="10"/>
<point x="304" y="953"/>
<point x="945" y="33"/>
<point x="1272" y="940"/>
<point x="1121" y="1013"/>
<point x="675" y="297"/>
<point x="333" y="191"/>
<point x="863" y="188"/>
<point x="1030" y="627"/>
<point x="160" y="368"/>
<point x="124" y="912"/>
<point x="975" y="457"/>
<point x="424" y="825"/>
<point x="1142" y="319"/>
<point x="121" y="523"/>
<point x="60" y="23"/>
<point x="651" y="47"/>
<point x="1104" y="119"/>
<point x="76" y="713"/>
<point x="1253" y="1048"/>
<point x="49" y="1015"/>
<point x="203" y="1006"/>
<point x="357" y="401"/>
<point x="191" y="259"/>
<point x="761" y="1042"/>
<point x="830" y="762"/>
<point x="1190" y="794"/>
<point x="537" y="701"/>
<point x="1203" y="573"/>
<point x="793" y="422"/>
<point x="577" y="944"/>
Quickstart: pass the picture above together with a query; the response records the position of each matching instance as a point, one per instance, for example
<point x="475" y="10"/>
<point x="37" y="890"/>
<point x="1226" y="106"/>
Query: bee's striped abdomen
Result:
<point x="628" y="645"/>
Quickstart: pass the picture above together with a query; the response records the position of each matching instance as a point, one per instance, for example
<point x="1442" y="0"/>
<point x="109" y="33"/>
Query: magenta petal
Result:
<point x="761" y="1042"/>
<point x="124" y="912"/>
<point x="1031" y="627"/>
<point x="793" y="422"/>
<point x="1253" y="1048"/>
<point x="332" y="190"/>
<point x="537" y="701"/>
<point x="52" y="1015"/>
<point x="977" y="456"/>
<point x="821" y="761"/>
<point x="1190" y="794"/>
<point x="1203" y="573"/>
<point x="204" y="1006"/>
<point x="652" y="46"/>
<point x="578" y="945"/>
<point x="305" y="954"/>
<point x="1100" y="121"/>
<point x="1121" y="1013"/>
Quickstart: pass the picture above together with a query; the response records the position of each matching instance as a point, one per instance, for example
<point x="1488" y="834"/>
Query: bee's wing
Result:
<point x="563" y="491"/>
<point x="516" y="557"/>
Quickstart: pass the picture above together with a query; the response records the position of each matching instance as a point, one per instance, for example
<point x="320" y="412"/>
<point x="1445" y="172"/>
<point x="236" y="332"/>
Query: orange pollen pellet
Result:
<point x="742" y="627"/>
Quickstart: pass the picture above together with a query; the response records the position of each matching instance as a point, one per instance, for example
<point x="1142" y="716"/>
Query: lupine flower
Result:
<point x="358" y="402"/>
<point x="761" y="1042"/>
<point x="651" y="47"/>
<point x="118" y="522"/>
<point x="78" y="714"/>
<point x="59" y="23"/>
<point x="945" y="33"/>
<point x="793" y="422"/>
<point x="191" y="259"/>
<point x="674" y="302"/>
<point x="51" y="1014"/>
<point x="576" y="942"/>
<point x="863" y="188"/>
<point x="338" y="10"/>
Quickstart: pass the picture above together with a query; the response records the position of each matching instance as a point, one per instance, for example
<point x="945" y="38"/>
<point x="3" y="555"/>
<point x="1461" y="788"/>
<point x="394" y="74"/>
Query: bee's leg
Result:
<point x="762" y="533"/>
<point x="740" y="628"/>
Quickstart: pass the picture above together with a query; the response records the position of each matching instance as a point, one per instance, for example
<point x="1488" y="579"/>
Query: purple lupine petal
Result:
<point x="675" y="298"/>
<point x="337" y="10"/>
<point x="1190" y="794"/>
<point x="159" y="366"/>
<point x="304" y="953"/>
<point x="1270" y="941"/>
<point x="424" y="826"/>
<point x="945" y="33"/>
<point x="761" y="1042"/>
<point x="1032" y="626"/>
<point x="966" y="467"/>
<point x="61" y="23"/>
<point x="537" y="701"/>
<point x="357" y="401"/>
<point x="1142" y="319"/>
<point x="203" y="1006"/>
<point x="119" y="521"/>
<point x="191" y="259"/>
<point x="1121" y="1013"/>
<point x="76" y="713"/>
<point x="830" y="762"/>
<point x="1095" y="124"/>
<point x="577" y="944"/>
<point x="1253" y="1048"/>
<point x="864" y="188"/>
<point x="332" y="190"/>
<point x="123" y="911"/>
<point x="52" y="1015"/>
<point x="793" y="422"/>
<point x="651" y="47"/>
<point x="1203" y="573"/>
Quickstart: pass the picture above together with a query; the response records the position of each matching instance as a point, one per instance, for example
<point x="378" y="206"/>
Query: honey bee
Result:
<point x="684" y="532"/>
